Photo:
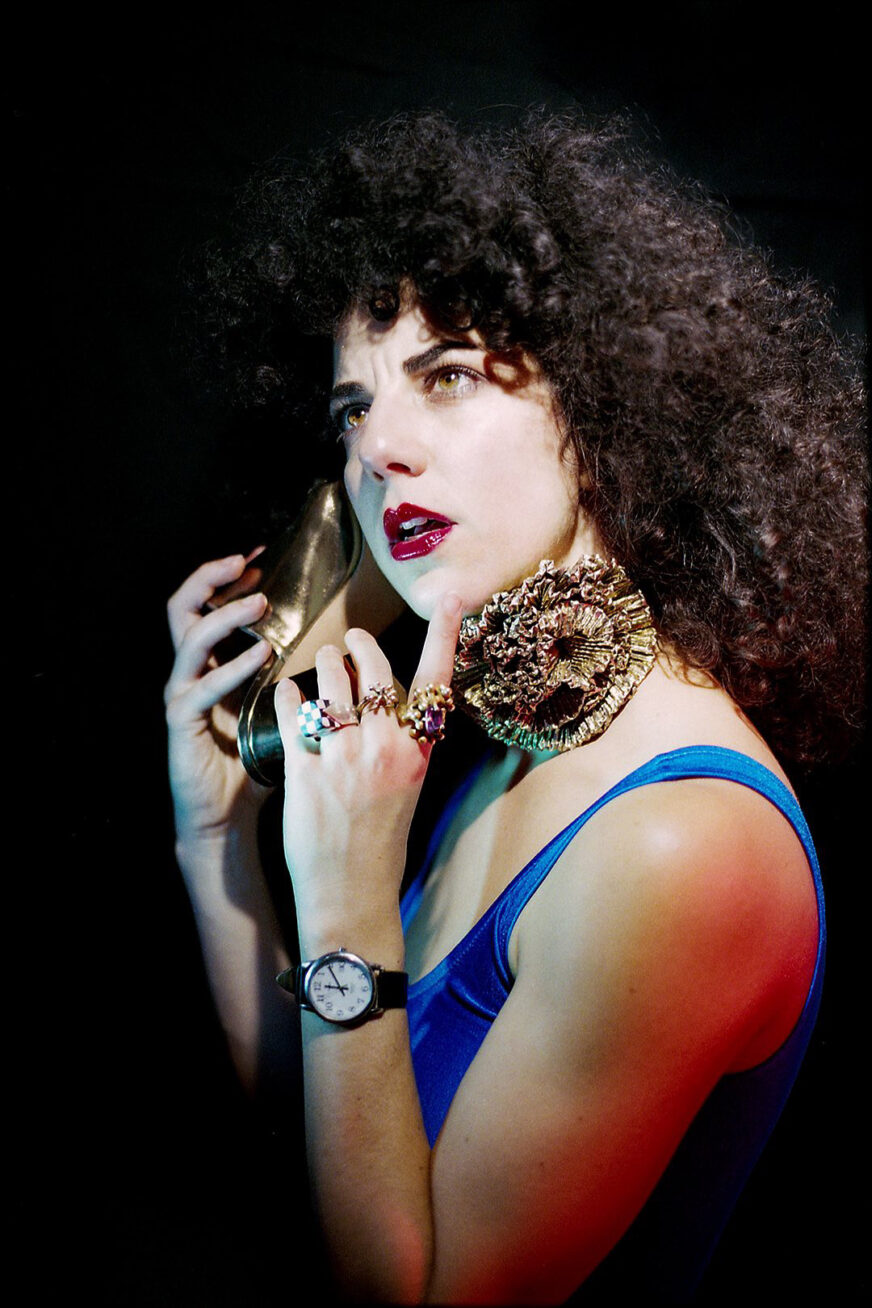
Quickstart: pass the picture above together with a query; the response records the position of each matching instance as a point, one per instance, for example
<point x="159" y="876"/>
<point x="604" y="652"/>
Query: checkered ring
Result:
<point x="318" y="717"/>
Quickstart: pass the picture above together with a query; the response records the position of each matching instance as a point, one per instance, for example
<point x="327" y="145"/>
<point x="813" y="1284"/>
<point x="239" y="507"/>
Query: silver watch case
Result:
<point x="328" y="973"/>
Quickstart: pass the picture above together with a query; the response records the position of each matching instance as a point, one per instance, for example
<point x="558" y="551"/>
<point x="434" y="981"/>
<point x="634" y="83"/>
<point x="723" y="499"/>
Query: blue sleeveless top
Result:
<point x="665" y="1251"/>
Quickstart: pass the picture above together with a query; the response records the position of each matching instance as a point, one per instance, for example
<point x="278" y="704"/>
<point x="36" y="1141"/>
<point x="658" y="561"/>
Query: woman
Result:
<point x="626" y="457"/>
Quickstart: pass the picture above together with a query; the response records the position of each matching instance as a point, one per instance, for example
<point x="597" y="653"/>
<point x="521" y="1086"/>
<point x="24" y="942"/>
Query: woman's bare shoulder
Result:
<point x="698" y="888"/>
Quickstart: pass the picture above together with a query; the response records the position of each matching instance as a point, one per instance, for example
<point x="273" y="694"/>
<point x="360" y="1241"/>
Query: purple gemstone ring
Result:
<point x="426" y="711"/>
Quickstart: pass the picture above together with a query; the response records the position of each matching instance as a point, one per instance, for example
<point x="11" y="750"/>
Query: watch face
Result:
<point x="340" y="988"/>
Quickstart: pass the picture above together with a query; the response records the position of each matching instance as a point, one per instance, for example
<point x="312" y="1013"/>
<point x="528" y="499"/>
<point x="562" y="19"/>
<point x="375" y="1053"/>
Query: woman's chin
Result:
<point x="424" y="594"/>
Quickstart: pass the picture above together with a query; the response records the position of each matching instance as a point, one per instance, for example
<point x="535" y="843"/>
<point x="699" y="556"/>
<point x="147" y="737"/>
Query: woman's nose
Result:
<point x="390" y="442"/>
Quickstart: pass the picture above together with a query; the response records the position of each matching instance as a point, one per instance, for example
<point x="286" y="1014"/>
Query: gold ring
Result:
<point x="427" y="710"/>
<point x="379" y="698"/>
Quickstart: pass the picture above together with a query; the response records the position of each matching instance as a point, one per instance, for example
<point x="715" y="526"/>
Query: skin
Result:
<point x="673" y="941"/>
<point x="468" y="435"/>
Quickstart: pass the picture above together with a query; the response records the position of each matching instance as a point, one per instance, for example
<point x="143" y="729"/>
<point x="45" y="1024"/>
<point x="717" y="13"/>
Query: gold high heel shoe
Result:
<point x="300" y="574"/>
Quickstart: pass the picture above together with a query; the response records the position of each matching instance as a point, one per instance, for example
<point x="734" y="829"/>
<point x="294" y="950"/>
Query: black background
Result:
<point x="129" y="140"/>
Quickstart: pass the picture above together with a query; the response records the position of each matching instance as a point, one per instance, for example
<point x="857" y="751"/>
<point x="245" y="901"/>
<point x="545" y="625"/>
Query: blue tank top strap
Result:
<point x="679" y="764"/>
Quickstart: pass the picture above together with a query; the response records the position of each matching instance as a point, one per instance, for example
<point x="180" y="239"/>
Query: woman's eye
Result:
<point x="453" y="381"/>
<point x="351" y="418"/>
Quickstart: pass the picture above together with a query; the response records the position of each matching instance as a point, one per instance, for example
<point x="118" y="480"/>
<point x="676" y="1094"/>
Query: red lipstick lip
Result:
<point x="414" y="547"/>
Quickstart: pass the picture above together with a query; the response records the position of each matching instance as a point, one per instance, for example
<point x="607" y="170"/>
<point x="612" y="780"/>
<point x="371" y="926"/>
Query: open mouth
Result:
<point x="413" y="531"/>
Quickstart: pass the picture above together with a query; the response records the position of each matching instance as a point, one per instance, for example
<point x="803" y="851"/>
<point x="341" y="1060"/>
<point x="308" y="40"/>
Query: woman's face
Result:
<point x="454" y="462"/>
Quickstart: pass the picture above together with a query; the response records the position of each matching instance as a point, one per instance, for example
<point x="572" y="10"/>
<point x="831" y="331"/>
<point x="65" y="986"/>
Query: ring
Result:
<point x="427" y="710"/>
<point x="318" y="717"/>
<point x="379" y="698"/>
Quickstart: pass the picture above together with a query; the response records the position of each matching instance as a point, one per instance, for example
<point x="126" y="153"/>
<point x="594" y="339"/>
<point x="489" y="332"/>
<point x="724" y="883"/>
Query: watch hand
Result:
<point x="337" y="986"/>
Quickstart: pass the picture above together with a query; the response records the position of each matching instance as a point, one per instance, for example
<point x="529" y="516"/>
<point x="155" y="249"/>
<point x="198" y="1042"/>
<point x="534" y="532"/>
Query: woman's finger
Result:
<point x="334" y="683"/>
<point x="184" y="607"/>
<point x="437" y="657"/>
<point x="370" y="661"/>
<point x="287" y="700"/>
<point x="249" y="581"/>
<point x="197" y="696"/>
<point x="195" y="648"/>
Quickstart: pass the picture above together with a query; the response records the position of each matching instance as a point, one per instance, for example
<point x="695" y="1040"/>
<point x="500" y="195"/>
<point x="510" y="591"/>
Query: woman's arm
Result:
<point x="642" y="977"/>
<point x="243" y="950"/>
<point x="348" y="809"/>
<point x="671" y="945"/>
<point x="216" y="807"/>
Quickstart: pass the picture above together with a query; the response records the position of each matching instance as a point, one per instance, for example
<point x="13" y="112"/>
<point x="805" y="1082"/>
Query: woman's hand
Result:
<point x="349" y="803"/>
<point x="212" y="793"/>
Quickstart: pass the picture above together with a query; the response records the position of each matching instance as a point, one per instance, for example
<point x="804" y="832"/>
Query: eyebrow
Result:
<point x="353" y="390"/>
<point x="349" y="391"/>
<point x="420" y="361"/>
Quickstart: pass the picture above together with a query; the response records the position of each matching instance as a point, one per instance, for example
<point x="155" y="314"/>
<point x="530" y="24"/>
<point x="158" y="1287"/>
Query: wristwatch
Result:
<point x="343" y="988"/>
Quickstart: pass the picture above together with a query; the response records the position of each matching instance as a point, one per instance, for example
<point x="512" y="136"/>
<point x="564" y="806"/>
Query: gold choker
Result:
<point x="549" y="664"/>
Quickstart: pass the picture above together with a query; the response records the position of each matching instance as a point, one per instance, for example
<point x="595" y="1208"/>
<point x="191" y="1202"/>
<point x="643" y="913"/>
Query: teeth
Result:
<point x="413" y="526"/>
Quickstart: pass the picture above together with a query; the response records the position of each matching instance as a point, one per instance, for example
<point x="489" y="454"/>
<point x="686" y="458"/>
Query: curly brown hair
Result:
<point x="715" y="414"/>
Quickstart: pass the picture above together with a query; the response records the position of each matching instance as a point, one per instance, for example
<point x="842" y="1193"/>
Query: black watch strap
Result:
<point x="392" y="988"/>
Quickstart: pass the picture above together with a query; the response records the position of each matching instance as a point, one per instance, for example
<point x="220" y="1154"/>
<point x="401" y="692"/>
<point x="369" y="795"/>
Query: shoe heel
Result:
<point x="300" y="574"/>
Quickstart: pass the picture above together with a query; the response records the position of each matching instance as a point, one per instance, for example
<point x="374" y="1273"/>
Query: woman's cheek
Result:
<point x="351" y="476"/>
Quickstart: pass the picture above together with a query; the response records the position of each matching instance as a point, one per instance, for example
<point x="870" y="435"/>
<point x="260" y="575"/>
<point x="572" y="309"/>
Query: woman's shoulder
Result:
<point x="696" y="882"/>
<point x="694" y="875"/>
